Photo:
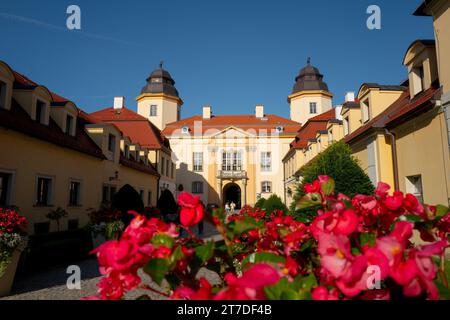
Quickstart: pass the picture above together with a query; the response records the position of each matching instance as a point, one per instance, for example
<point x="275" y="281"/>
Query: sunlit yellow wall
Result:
<point x="27" y="158"/>
<point x="442" y="34"/>
<point x="422" y="149"/>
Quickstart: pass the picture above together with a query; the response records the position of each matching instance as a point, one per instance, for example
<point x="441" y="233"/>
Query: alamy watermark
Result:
<point x="374" y="20"/>
<point x="73" y="21"/>
<point x="74" y="280"/>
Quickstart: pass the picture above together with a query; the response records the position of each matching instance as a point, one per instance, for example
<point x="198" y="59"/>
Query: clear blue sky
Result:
<point x="228" y="53"/>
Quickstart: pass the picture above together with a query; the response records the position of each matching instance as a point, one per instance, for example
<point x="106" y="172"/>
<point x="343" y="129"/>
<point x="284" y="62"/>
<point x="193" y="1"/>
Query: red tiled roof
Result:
<point x="244" y="122"/>
<point x="309" y="130"/>
<point x="23" y="81"/>
<point x="138" y="128"/>
<point x="18" y="119"/>
<point x="150" y="169"/>
<point x="111" y="114"/>
<point x="397" y="111"/>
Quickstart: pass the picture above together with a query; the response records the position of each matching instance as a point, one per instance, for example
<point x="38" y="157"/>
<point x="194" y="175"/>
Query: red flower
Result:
<point x="251" y="285"/>
<point x="312" y="187"/>
<point x="322" y="293"/>
<point x="191" y="211"/>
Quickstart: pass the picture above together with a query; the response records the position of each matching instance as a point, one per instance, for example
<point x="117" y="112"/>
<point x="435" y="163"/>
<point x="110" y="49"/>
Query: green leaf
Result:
<point x="307" y="245"/>
<point x="309" y="200"/>
<point x="256" y="257"/>
<point x="305" y="283"/>
<point x="289" y="294"/>
<point x="328" y="187"/>
<point x="163" y="239"/>
<point x="157" y="269"/>
<point x="412" y="218"/>
<point x="206" y="251"/>
<point x="367" y="238"/>
<point x="243" y="225"/>
<point x="441" y="211"/>
<point x="274" y="291"/>
<point x="144" y="297"/>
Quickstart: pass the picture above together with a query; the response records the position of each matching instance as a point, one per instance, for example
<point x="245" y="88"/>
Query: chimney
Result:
<point x="338" y="110"/>
<point x="119" y="102"/>
<point x="350" y="97"/>
<point x="207" y="112"/>
<point x="259" y="111"/>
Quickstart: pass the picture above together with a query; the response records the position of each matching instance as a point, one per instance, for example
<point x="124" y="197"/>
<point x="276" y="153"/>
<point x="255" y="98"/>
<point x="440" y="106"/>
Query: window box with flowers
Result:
<point x="105" y="224"/>
<point x="13" y="241"/>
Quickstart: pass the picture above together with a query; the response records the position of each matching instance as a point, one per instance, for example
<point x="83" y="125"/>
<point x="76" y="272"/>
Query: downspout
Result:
<point x="284" y="182"/>
<point x="156" y="165"/>
<point x="394" y="158"/>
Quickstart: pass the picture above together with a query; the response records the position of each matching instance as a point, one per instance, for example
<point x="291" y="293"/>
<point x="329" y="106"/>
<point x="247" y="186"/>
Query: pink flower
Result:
<point x="191" y="211"/>
<point x="251" y="285"/>
<point x="312" y="187"/>
<point x="394" y="202"/>
<point x="322" y="293"/>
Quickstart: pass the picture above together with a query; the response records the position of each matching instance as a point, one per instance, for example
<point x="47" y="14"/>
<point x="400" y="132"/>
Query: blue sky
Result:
<point x="230" y="54"/>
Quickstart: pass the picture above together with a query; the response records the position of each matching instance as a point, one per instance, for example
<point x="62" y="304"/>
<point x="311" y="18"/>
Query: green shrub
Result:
<point x="338" y="163"/>
<point x="272" y="203"/>
<point x="260" y="203"/>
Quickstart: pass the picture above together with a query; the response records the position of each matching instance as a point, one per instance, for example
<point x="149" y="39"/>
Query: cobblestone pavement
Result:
<point x="51" y="284"/>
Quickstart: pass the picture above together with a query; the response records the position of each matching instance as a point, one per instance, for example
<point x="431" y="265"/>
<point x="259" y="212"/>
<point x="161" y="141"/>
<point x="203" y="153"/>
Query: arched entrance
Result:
<point x="232" y="193"/>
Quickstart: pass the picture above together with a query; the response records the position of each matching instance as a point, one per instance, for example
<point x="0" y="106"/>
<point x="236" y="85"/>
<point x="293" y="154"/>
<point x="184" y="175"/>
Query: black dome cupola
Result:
<point x="160" y="81"/>
<point x="309" y="78"/>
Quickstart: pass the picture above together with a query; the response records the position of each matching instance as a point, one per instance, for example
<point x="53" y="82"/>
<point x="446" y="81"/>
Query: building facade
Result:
<point x="55" y="155"/>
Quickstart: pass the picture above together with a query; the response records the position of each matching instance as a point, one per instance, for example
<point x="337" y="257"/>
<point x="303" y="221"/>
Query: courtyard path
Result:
<point x="51" y="283"/>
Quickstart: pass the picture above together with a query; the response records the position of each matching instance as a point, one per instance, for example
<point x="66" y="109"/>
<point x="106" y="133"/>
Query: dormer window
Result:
<point x="40" y="111"/>
<point x="418" y="77"/>
<point x="3" y="88"/>
<point x="346" y="126"/>
<point x="112" y="143"/>
<point x="185" y="130"/>
<point x="279" y="129"/>
<point x="365" y="110"/>
<point x="69" y="124"/>
<point x="127" y="151"/>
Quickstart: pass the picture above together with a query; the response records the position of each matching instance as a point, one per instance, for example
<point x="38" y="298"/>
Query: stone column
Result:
<point x="244" y="192"/>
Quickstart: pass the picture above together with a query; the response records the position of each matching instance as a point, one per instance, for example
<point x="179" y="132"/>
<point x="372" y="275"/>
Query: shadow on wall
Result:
<point x="187" y="178"/>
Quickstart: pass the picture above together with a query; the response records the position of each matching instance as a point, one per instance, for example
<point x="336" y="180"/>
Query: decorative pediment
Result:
<point x="231" y="133"/>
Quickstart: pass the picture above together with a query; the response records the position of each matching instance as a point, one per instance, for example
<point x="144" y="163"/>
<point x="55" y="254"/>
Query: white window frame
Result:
<point x="415" y="187"/>
<point x="266" y="161"/>
<point x="266" y="186"/>
<point x="153" y="110"/>
<point x="11" y="186"/>
<point x="313" y="107"/>
<point x="197" y="187"/>
<point x="197" y="161"/>
<point x="51" y="191"/>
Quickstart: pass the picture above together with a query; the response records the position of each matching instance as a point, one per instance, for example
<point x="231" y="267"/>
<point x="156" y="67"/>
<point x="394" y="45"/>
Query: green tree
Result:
<point x="272" y="203"/>
<point x="338" y="163"/>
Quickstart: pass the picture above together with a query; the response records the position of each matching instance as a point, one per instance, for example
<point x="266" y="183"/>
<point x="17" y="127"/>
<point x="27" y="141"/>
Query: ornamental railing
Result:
<point x="238" y="174"/>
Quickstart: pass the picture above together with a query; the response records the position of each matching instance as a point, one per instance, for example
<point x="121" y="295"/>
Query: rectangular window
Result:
<point x="108" y="193"/>
<point x="141" y="194"/>
<point x="330" y="136"/>
<point x="365" y="110"/>
<point x="44" y="190"/>
<point x="197" y="187"/>
<point x="266" y="161"/>
<point x="112" y="143"/>
<point x="149" y="198"/>
<point x="198" y="161"/>
<point x="266" y="187"/>
<point x="69" y="124"/>
<point x="153" y="110"/>
<point x="3" y="88"/>
<point x="74" y="193"/>
<point x="127" y="151"/>
<point x="232" y="161"/>
<point x="5" y="188"/>
<point x="40" y="111"/>
<point x="346" y="126"/>
<point x="167" y="167"/>
<point x="313" y="107"/>
<point x="172" y="170"/>
<point x="414" y="186"/>
<point x="162" y="165"/>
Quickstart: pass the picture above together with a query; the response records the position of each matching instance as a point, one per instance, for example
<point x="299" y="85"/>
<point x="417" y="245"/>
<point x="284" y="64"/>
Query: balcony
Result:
<point x="237" y="174"/>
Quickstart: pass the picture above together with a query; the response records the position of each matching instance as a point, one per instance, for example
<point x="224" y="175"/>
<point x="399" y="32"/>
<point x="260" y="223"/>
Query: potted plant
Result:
<point x="12" y="242"/>
<point x="57" y="215"/>
<point x="105" y="224"/>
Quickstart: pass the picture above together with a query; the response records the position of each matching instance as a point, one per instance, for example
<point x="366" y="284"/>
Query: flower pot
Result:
<point x="7" y="280"/>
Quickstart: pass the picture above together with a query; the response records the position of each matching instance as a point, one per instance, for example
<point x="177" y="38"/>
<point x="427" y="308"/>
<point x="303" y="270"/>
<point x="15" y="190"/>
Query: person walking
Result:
<point x="232" y="206"/>
<point x="227" y="208"/>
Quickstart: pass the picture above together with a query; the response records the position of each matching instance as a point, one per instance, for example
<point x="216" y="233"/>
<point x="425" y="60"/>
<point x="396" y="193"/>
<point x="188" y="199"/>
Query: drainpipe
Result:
<point x="394" y="158"/>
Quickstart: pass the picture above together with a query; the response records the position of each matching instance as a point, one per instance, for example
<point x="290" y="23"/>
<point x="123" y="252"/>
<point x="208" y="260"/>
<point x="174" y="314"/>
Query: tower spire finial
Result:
<point x="161" y="64"/>
<point x="308" y="61"/>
